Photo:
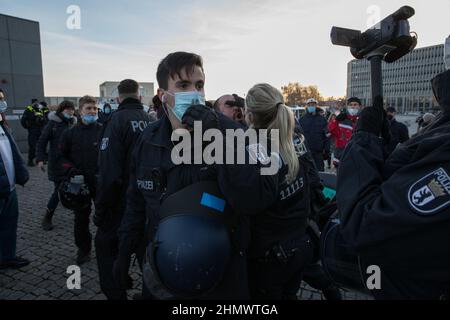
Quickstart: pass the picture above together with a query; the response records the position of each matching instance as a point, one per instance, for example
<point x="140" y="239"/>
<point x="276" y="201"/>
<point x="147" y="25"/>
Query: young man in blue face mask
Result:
<point x="79" y="155"/>
<point x="154" y="177"/>
<point x="315" y="129"/>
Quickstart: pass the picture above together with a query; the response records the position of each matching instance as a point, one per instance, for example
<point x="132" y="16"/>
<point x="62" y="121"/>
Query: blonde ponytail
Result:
<point x="266" y="104"/>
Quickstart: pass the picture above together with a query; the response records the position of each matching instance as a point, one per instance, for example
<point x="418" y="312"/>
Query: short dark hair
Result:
<point x="85" y="100"/>
<point x="391" y="110"/>
<point x="157" y="103"/>
<point x="44" y="104"/>
<point x="128" y="88"/>
<point x="33" y="101"/>
<point x="354" y="99"/>
<point x="65" y="105"/>
<point x="174" y="64"/>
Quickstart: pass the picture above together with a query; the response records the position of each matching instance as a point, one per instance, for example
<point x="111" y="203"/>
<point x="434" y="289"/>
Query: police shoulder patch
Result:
<point x="104" y="145"/>
<point x="431" y="193"/>
<point x="299" y="144"/>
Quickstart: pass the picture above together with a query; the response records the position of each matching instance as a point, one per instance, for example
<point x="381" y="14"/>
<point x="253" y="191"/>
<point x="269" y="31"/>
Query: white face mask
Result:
<point x="447" y="53"/>
<point x="353" y="112"/>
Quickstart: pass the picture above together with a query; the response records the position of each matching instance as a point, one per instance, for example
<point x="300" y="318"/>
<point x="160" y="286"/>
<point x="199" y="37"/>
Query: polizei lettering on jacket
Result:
<point x="139" y="125"/>
<point x="146" y="185"/>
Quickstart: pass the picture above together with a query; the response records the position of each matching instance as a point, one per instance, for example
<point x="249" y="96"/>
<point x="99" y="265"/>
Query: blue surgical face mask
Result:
<point x="67" y="116"/>
<point x="107" y="111"/>
<point x="184" y="100"/>
<point x="3" y="106"/>
<point x="312" y="109"/>
<point x="90" y="119"/>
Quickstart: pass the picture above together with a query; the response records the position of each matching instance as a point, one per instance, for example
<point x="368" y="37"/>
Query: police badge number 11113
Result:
<point x="225" y="310"/>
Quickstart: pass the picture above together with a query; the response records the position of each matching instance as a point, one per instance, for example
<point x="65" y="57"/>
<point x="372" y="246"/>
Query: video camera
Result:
<point x="390" y="38"/>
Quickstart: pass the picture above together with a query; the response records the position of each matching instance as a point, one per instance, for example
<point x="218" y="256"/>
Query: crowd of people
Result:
<point x="393" y="193"/>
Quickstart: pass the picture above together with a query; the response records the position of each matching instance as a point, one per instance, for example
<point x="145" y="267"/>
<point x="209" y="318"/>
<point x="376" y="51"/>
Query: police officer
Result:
<point x="396" y="214"/>
<point x="120" y="134"/>
<point x="59" y="121"/>
<point x="79" y="156"/>
<point x="154" y="176"/>
<point x="315" y="128"/>
<point x="280" y="247"/>
<point x="34" y="119"/>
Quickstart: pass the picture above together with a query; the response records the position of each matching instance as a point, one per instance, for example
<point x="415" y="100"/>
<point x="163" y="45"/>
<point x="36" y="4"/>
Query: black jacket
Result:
<point x="79" y="150"/>
<point x="34" y="119"/>
<point x="154" y="177"/>
<point x="120" y="133"/>
<point x="399" y="134"/>
<point x="286" y="218"/>
<point x="21" y="172"/>
<point x="396" y="213"/>
<point x="315" y="128"/>
<point x="52" y="134"/>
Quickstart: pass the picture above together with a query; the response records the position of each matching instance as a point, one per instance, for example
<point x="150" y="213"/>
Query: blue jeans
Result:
<point x="9" y="214"/>
<point x="54" y="199"/>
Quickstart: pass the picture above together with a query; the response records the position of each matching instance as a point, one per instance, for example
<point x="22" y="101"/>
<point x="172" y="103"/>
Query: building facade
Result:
<point x="406" y="82"/>
<point x="108" y="91"/>
<point x="20" y="69"/>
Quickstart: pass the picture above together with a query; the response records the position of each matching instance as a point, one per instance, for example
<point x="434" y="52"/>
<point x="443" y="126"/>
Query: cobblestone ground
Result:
<point x="51" y="253"/>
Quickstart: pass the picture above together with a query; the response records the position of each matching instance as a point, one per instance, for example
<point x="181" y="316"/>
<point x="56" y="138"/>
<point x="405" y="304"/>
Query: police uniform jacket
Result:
<point x="120" y="133"/>
<point x="396" y="213"/>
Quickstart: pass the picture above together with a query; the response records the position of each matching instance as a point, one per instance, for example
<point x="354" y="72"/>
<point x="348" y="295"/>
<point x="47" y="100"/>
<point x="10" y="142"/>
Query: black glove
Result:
<point x="342" y="115"/>
<point x="208" y="117"/>
<point x="120" y="272"/>
<point x="374" y="120"/>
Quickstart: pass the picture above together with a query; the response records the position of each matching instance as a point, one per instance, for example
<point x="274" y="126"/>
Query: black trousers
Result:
<point x="318" y="160"/>
<point x="107" y="248"/>
<point x="83" y="237"/>
<point x="33" y="137"/>
<point x="271" y="279"/>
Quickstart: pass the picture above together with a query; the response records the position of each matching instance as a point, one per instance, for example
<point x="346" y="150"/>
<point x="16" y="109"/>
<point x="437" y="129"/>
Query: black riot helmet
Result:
<point x="191" y="249"/>
<point x="74" y="194"/>
<point x="340" y="263"/>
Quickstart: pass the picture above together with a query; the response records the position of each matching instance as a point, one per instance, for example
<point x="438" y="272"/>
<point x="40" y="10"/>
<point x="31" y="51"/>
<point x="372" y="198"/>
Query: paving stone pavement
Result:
<point x="51" y="253"/>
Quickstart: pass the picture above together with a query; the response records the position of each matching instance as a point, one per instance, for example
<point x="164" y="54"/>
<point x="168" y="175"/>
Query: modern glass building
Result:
<point x="20" y="69"/>
<point x="406" y="82"/>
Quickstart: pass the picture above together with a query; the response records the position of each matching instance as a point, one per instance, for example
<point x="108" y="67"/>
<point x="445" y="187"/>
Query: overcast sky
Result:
<point x="242" y="42"/>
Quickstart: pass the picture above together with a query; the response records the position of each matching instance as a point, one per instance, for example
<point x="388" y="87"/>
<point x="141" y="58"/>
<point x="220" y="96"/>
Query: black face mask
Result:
<point x="390" y="117"/>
